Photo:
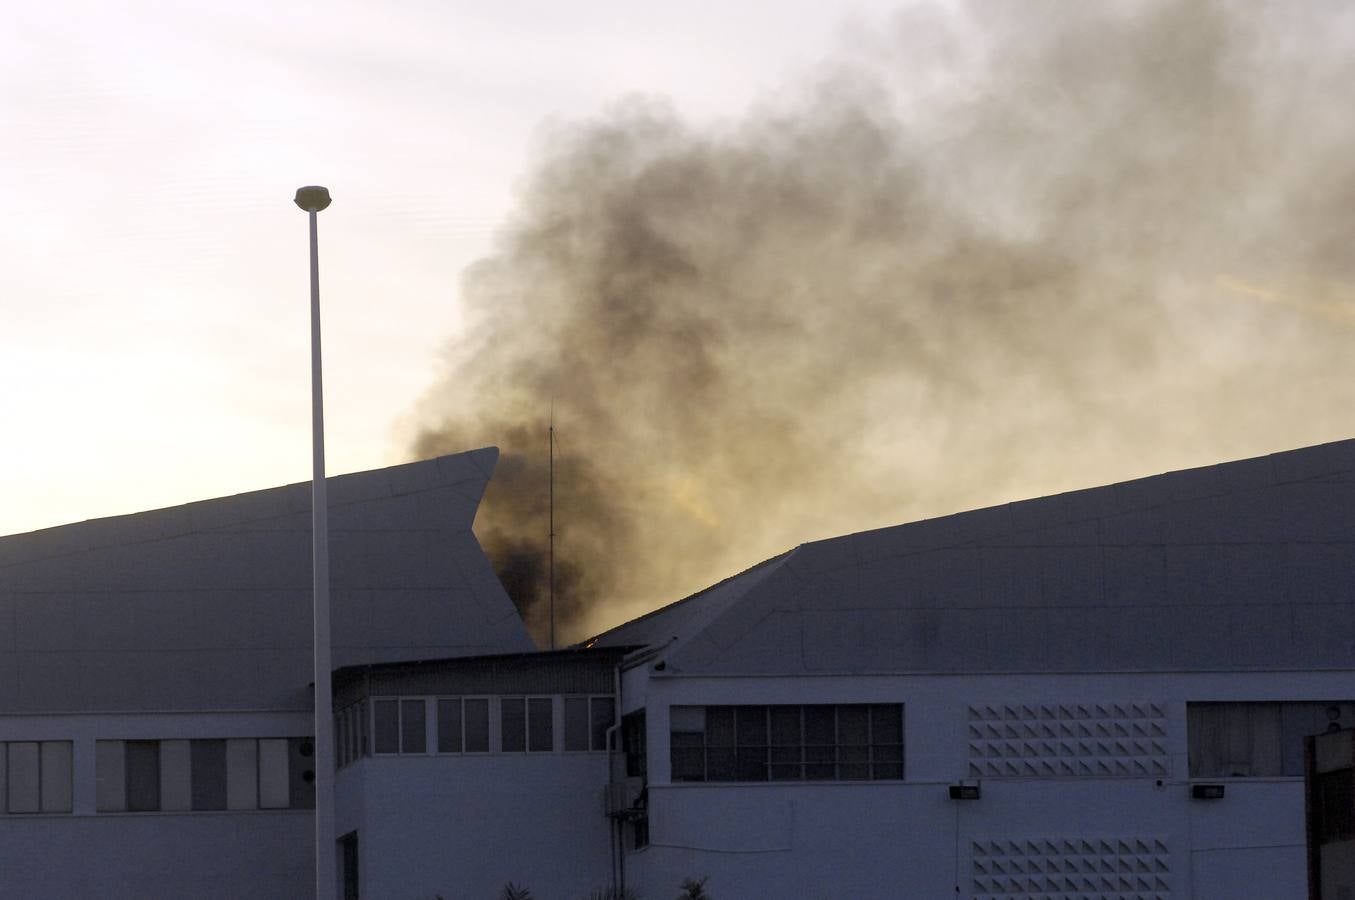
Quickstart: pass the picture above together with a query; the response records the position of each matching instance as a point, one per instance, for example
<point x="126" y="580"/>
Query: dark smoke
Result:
<point x="993" y="253"/>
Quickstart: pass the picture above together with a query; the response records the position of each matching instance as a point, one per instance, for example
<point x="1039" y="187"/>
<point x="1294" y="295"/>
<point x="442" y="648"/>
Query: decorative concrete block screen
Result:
<point x="1018" y="740"/>
<point x="1120" y="868"/>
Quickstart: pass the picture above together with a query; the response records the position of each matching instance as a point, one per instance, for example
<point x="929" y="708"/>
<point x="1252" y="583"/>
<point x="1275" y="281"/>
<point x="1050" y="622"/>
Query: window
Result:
<point x="400" y="725"/>
<point x="350" y="734"/>
<point x="37" y="776"/>
<point x="586" y="722"/>
<point x="1257" y="740"/>
<point x="463" y="724"/>
<point x="855" y="742"/>
<point x="527" y="724"/>
<point x="183" y="775"/>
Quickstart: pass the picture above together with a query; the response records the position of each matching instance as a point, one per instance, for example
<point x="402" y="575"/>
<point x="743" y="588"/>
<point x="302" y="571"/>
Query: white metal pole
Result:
<point x="325" y="865"/>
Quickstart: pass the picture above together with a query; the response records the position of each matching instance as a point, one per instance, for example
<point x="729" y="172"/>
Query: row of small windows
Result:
<point x="822" y="742"/>
<point x="213" y="774"/>
<point x="420" y="725"/>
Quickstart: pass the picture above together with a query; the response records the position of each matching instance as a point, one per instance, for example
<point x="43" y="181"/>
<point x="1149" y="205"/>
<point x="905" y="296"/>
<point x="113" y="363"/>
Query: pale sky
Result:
<point x="154" y="338"/>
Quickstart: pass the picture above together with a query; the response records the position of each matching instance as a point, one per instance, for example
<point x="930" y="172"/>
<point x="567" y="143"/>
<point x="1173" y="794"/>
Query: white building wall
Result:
<point x="463" y="826"/>
<point x="892" y="840"/>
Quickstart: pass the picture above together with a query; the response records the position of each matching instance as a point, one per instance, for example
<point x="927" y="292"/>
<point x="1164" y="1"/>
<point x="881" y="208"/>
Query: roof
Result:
<point x="208" y="605"/>
<point x="1244" y="565"/>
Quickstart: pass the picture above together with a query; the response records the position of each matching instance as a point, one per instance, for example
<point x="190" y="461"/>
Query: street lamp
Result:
<point x="313" y="199"/>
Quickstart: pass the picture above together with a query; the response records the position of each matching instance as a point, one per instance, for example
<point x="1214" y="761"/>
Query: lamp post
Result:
<point x="313" y="199"/>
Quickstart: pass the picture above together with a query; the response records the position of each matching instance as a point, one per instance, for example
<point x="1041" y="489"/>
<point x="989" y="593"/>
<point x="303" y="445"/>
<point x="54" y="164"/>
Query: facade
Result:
<point x="155" y="680"/>
<point x="1102" y="694"/>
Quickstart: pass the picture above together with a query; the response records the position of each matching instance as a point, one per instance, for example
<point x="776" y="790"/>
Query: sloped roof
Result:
<point x="1245" y="565"/>
<point x="208" y="605"/>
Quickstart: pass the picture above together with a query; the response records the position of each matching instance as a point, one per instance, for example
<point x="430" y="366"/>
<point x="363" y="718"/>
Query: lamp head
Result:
<point x="312" y="198"/>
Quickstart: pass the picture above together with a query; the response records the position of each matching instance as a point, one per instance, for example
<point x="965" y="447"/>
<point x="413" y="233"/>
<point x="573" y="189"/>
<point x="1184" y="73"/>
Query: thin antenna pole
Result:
<point x="551" y="571"/>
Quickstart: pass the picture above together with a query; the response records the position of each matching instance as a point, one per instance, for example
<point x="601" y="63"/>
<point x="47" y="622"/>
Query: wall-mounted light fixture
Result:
<point x="964" y="791"/>
<point x="1206" y="792"/>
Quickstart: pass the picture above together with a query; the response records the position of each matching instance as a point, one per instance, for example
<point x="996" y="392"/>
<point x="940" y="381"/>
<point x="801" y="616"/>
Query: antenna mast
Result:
<point x="551" y="571"/>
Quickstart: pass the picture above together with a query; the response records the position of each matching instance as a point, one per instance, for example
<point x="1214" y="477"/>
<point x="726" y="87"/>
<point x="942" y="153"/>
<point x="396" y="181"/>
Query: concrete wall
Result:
<point x="891" y="840"/>
<point x="461" y="827"/>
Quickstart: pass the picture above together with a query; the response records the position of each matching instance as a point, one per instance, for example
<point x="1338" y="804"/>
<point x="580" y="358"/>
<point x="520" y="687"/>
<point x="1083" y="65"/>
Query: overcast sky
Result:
<point x="153" y="347"/>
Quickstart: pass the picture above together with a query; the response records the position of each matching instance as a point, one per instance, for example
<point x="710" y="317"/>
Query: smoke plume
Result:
<point x="989" y="252"/>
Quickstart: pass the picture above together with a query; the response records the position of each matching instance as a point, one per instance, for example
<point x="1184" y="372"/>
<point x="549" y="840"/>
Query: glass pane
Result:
<point x="752" y="725"/>
<point x="752" y="763"/>
<point x="886" y="724"/>
<point x="634" y="743"/>
<point x="207" y="760"/>
<point x="886" y="753"/>
<point x="688" y="764"/>
<point x="513" y="725"/>
<point x="56" y="776"/>
<point x="887" y="771"/>
<point x="355" y="720"/>
<point x="143" y="775"/>
<point x="786" y="764"/>
<point x="23" y="777"/>
<point x="413" y="721"/>
<point x="820" y="772"/>
<point x="852" y="727"/>
<point x="814" y="754"/>
<point x="687" y="718"/>
<point x="603" y="718"/>
<point x="576" y="723"/>
<point x="720" y="726"/>
<point x="821" y="725"/>
<point x="786" y="725"/>
<point x="541" y="727"/>
<point x="476" y="713"/>
<point x="449" y="726"/>
<point x="387" y="726"/>
<point x="342" y="739"/>
<point x="720" y="764"/>
<point x="852" y="763"/>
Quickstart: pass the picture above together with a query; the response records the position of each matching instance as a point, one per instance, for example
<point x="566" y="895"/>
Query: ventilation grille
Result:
<point x="1121" y="868"/>
<point x="1018" y="740"/>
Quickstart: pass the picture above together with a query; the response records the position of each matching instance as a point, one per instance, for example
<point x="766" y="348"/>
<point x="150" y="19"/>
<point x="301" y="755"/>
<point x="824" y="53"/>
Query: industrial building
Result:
<point x="1101" y="694"/>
